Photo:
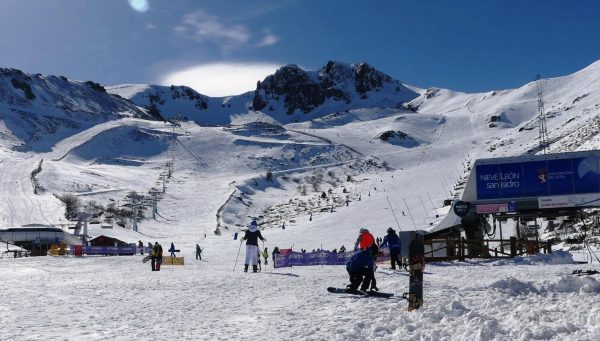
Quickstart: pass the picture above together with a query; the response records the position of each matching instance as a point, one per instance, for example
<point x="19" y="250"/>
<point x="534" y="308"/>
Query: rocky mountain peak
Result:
<point x="302" y="90"/>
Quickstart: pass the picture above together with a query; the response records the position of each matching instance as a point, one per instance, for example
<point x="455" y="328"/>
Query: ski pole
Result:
<point x="238" y="255"/>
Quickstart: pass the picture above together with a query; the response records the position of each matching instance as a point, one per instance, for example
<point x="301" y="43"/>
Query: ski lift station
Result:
<point x="548" y="185"/>
<point x="526" y="189"/>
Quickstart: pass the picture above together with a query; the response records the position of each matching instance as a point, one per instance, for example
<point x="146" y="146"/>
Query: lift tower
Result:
<point x="543" y="131"/>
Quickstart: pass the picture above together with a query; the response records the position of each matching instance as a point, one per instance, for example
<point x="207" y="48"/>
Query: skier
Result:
<point x="154" y="259"/>
<point x="275" y="252"/>
<point x="365" y="239"/>
<point x="198" y="252"/>
<point x="265" y="255"/>
<point x="361" y="269"/>
<point x="252" y="235"/>
<point x="393" y="241"/>
<point x="159" y="254"/>
<point x="141" y="247"/>
<point x="172" y="250"/>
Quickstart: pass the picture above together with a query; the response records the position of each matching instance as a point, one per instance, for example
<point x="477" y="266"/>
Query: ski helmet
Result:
<point x="390" y="230"/>
<point x="363" y="229"/>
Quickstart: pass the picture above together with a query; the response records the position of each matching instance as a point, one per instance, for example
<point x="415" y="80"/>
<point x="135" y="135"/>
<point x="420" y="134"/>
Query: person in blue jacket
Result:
<point x="361" y="268"/>
<point x="393" y="241"/>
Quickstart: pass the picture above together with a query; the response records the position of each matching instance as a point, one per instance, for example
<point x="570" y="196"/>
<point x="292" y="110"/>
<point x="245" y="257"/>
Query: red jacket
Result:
<point x="365" y="240"/>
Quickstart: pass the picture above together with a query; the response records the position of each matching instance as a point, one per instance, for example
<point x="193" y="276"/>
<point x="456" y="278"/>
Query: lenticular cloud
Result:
<point x="221" y="79"/>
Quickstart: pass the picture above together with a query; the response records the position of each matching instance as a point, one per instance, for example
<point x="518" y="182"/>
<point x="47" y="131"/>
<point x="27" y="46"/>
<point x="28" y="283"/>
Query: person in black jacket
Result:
<point x="275" y="252"/>
<point x="252" y="235"/>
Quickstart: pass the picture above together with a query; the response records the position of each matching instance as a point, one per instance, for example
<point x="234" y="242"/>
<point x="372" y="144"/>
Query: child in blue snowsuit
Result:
<point x="361" y="268"/>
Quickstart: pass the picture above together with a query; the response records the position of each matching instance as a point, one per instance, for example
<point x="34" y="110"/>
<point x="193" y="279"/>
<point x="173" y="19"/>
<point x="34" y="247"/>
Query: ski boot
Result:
<point x="245" y="267"/>
<point x="254" y="268"/>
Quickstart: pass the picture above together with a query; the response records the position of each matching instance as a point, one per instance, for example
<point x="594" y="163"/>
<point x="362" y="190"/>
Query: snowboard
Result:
<point x="360" y="293"/>
<point x="416" y="258"/>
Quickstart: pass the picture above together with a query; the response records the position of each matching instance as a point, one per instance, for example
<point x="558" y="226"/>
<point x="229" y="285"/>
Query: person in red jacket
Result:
<point x="365" y="239"/>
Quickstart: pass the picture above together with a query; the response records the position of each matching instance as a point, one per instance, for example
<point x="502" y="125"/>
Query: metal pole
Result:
<point x="397" y="223"/>
<point x="501" y="241"/>
<point x="425" y="208"/>
<point x="135" y="213"/>
<point x="431" y="201"/>
<point x="410" y="215"/>
<point x="154" y="203"/>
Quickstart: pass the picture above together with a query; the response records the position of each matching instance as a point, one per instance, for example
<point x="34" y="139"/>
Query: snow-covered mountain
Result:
<point x="292" y="93"/>
<point x="37" y="111"/>
<point x="506" y="117"/>
<point x="289" y="95"/>
<point x="184" y="102"/>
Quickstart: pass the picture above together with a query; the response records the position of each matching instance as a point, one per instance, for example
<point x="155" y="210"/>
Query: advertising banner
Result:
<point x="320" y="258"/>
<point x="109" y="250"/>
<point x="538" y="178"/>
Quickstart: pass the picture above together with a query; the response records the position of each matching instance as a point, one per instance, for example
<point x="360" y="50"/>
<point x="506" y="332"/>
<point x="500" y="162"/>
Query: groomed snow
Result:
<point x="120" y="298"/>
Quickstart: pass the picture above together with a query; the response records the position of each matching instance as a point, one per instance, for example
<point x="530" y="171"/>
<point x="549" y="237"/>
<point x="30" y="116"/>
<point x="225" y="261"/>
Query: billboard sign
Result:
<point x="558" y="177"/>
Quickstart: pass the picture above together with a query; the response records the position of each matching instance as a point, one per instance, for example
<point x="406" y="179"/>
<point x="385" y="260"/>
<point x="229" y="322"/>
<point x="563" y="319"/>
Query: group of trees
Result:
<point x="110" y="213"/>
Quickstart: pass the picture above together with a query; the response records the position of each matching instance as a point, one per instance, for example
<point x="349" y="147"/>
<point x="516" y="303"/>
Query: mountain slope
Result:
<point x="37" y="111"/>
<point x="289" y="95"/>
<point x="511" y="116"/>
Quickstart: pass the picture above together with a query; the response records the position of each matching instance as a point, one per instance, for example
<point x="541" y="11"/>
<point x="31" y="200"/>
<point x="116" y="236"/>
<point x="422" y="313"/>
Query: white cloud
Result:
<point x="221" y="79"/>
<point x="269" y="39"/>
<point x="200" y="27"/>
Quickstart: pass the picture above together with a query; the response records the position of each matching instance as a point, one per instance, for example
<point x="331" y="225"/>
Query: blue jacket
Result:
<point x="393" y="241"/>
<point x="360" y="260"/>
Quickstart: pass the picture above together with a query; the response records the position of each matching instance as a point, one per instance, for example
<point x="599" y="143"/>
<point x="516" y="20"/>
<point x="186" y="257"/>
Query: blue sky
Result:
<point x="223" y="47"/>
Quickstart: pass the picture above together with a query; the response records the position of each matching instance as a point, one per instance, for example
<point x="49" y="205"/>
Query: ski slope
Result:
<point x="222" y="170"/>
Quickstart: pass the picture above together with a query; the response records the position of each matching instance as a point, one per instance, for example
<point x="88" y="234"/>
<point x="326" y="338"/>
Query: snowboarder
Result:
<point x="252" y="235"/>
<point x="265" y="255"/>
<point x="393" y="241"/>
<point x="172" y="250"/>
<point x="361" y="269"/>
<point x="365" y="239"/>
<point x="198" y="252"/>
